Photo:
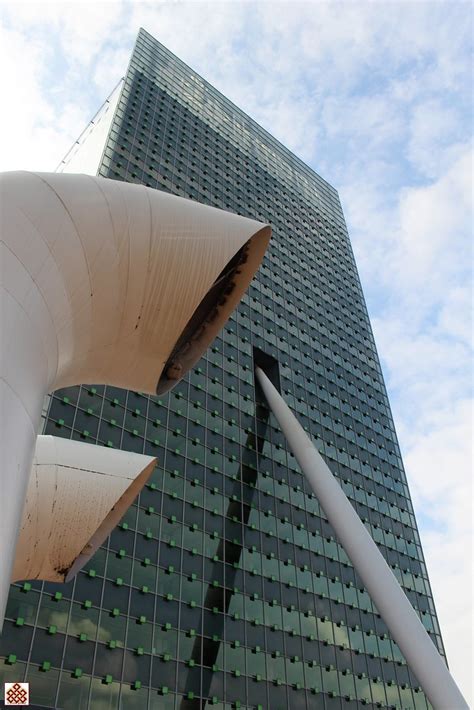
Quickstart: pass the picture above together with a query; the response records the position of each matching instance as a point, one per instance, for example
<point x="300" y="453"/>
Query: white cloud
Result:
<point x="111" y="67"/>
<point x="80" y="28"/>
<point x="434" y="240"/>
<point x="434" y="132"/>
<point x="28" y="123"/>
<point x="53" y="79"/>
<point x="455" y="315"/>
<point x="439" y="467"/>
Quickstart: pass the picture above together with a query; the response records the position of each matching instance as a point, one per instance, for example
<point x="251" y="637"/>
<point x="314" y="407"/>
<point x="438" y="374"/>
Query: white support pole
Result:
<point x="389" y="598"/>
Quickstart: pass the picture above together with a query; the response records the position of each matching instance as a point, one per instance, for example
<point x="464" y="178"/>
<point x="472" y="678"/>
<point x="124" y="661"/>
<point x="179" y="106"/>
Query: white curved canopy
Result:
<point x="76" y="495"/>
<point x="103" y="282"/>
<point x="110" y="273"/>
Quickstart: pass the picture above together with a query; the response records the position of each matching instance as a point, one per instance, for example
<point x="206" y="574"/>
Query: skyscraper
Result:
<point x="224" y="583"/>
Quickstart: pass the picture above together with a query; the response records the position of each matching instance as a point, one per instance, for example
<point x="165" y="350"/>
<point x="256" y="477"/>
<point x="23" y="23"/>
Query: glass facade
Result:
<point x="224" y="584"/>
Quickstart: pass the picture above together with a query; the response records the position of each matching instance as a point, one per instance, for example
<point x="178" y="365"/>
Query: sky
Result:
<point x="377" y="98"/>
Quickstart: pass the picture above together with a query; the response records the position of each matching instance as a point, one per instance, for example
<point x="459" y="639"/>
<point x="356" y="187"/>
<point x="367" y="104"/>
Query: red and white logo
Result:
<point x="17" y="694"/>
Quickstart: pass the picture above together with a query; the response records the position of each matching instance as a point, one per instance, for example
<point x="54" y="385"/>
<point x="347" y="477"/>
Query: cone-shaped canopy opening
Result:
<point x="214" y="310"/>
<point x="76" y="495"/>
<point x="117" y="511"/>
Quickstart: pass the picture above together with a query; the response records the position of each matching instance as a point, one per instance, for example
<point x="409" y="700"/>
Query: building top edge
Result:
<point x="307" y="168"/>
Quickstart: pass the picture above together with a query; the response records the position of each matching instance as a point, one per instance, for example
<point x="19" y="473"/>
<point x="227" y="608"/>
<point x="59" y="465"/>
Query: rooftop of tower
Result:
<point x="329" y="190"/>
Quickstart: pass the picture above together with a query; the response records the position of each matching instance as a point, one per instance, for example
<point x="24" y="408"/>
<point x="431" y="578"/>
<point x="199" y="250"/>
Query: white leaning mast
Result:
<point x="379" y="580"/>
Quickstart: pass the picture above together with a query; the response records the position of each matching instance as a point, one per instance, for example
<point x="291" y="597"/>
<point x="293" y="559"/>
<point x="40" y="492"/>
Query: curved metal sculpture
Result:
<point x="105" y="282"/>
<point x="76" y="495"/>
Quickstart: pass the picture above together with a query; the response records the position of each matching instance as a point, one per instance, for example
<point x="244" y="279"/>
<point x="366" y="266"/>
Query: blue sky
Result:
<point x="377" y="98"/>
